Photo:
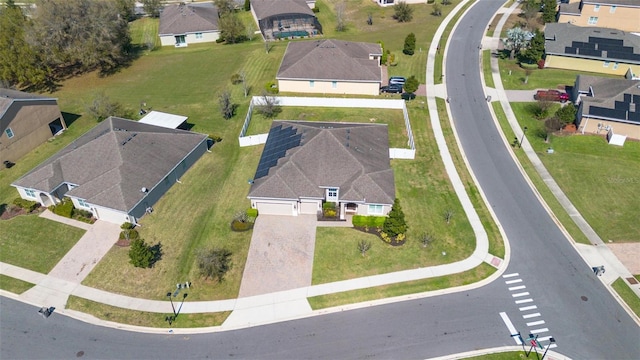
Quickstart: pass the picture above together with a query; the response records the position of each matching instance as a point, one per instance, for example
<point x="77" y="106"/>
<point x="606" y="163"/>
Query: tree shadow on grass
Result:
<point x="157" y="253"/>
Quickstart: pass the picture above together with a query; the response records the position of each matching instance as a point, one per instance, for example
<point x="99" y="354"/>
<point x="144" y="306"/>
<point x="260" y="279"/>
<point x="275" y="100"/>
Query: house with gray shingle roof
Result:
<point x="598" y="50"/>
<point x="118" y="170"/>
<point x="606" y="104"/>
<point x="615" y="14"/>
<point x="285" y="19"/>
<point x="305" y="164"/>
<point x="331" y="66"/>
<point x="183" y="24"/>
<point x="26" y="121"/>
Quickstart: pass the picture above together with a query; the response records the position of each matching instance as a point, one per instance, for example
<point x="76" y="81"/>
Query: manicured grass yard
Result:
<point x="35" y="243"/>
<point x="602" y="180"/>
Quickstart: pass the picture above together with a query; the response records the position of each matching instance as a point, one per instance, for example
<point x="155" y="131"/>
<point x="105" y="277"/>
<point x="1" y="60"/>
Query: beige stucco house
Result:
<point x="305" y="164"/>
<point x="331" y="66"/>
<point x="607" y="104"/>
<point x="597" y="50"/>
<point x="183" y="24"/>
<point x="26" y="121"/>
<point x="616" y="14"/>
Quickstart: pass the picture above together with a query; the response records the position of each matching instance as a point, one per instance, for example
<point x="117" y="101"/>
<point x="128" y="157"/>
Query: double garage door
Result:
<point x="289" y="208"/>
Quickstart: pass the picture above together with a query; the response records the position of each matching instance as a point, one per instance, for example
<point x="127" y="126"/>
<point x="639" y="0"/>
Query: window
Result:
<point x="9" y="133"/>
<point x="593" y="20"/>
<point x="606" y="64"/>
<point x="332" y="194"/>
<point x="596" y="8"/>
<point x="198" y="35"/>
<point x="83" y="203"/>
<point x="311" y="83"/>
<point x="375" y="209"/>
<point x="30" y="193"/>
<point x="613" y="9"/>
<point x="334" y="84"/>
<point x="615" y="66"/>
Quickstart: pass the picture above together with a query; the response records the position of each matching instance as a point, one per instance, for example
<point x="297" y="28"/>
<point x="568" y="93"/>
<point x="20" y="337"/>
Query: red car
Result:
<point x="551" y="95"/>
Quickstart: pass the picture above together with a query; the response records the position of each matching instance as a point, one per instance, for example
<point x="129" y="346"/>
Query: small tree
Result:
<point x="364" y="246"/>
<point x="268" y="105"/>
<point x="535" y="51"/>
<point x="412" y="84"/>
<point x="245" y="85"/>
<point x="102" y="107"/>
<point x="552" y="125"/>
<point x="152" y="7"/>
<point x="341" y="8"/>
<point x="395" y="224"/>
<point x="566" y="114"/>
<point x="214" y="263"/>
<point x="402" y="12"/>
<point x="232" y="29"/>
<point x="409" y="44"/>
<point x="518" y="39"/>
<point x="448" y="215"/>
<point x="541" y="108"/>
<point x="225" y="6"/>
<point x="227" y="108"/>
<point x="530" y="9"/>
<point x="247" y="5"/>
<point x="549" y="11"/>
<point x="369" y="19"/>
<point x="437" y="11"/>
<point x="141" y="254"/>
<point x="426" y="239"/>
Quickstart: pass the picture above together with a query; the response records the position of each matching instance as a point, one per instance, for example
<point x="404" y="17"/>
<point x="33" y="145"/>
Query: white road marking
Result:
<point x="512" y="329"/>
<point x="513" y="281"/>
<point x="517" y="288"/>
<point x="520" y="294"/>
<point x="524" y="301"/>
<point x="537" y="331"/>
<point x="527" y="308"/>
<point x="544" y="338"/>
<point x="510" y="275"/>
<point x="535" y="323"/>
<point x="529" y="316"/>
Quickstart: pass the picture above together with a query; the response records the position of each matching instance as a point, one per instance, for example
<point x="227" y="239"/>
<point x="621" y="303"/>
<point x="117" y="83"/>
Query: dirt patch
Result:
<point x="628" y="254"/>
<point x="12" y="211"/>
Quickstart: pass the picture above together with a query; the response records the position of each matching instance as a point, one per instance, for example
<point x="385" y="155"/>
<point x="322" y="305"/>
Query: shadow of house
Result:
<point x="285" y="19"/>
<point x="26" y="121"/>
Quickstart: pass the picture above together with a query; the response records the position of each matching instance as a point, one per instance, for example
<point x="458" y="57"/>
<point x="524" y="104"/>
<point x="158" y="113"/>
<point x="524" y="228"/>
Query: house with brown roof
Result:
<point x="331" y="66"/>
<point x="26" y="121"/>
<point x="599" y="50"/>
<point x="118" y="170"/>
<point x="183" y="24"/>
<point x="615" y="14"/>
<point x="305" y="164"/>
<point x="285" y="19"/>
<point x="607" y="104"/>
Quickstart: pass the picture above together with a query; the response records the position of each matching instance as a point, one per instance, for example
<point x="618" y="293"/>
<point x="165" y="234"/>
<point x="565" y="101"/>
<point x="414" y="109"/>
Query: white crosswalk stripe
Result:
<point x="535" y="323"/>
<point x="520" y="294"/>
<point x="527" y="308"/>
<point x="510" y="275"/>
<point x="513" y="281"/>
<point x="529" y="316"/>
<point x="513" y="288"/>
<point x="524" y="301"/>
<point x="537" y="331"/>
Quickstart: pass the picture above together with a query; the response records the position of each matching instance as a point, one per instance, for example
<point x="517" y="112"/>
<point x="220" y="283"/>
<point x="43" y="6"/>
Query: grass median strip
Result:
<point x="142" y="318"/>
<point x="627" y="295"/>
<point x="13" y="285"/>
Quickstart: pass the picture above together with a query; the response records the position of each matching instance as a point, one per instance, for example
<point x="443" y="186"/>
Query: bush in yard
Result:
<point x="368" y="221"/>
<point x="216" y="138"/>
<point x="214" y="263"/>
<point x="127" y="226"/>
<point x="65" y="208"/>
<point x="411" y="85"/>
<point x="271" y="87"/>
<point x="409" y="44"/>
<point x="395" y="224"/>
<point x="131" y="234"/>
<point x="236" y="79"/>
<point x="252" y="213"/>
<point x="567" y="114"/>
<point x="141" y="254"/>
<point x="402" y="12"/>
<point x="27" y="205"/>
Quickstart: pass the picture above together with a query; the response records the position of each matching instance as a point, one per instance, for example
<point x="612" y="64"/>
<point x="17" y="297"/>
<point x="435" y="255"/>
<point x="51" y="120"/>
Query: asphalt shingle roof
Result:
<point x="353" y="157"/>
<point x="611" y="98"/>
<point x="188" y="18"/>
<point x="331" y="59"/>
<point x="267" y="8"/>
<point x="112" y="162"/>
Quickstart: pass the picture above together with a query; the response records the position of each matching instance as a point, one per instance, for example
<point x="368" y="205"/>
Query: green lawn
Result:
<point x="486" y="68"/>
<point x="509" y="355"/>
<point x="141" y="318"/>
<point x="601" y="180"/>
<point x="14" y="285"/>
<point x="35" y="243"/>
<point x="629" y="297"/>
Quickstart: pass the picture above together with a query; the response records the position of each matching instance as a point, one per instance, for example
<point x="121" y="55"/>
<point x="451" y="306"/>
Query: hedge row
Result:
<point x="370" y="221"/>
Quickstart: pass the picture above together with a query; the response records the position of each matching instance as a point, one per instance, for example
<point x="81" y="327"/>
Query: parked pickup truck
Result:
<point x="551" y="95"/>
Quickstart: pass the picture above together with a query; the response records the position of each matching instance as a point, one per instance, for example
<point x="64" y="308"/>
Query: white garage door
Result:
<point x="309" y="208"/>
<point x="109" y="215"/>
<point x="274" y="208"/>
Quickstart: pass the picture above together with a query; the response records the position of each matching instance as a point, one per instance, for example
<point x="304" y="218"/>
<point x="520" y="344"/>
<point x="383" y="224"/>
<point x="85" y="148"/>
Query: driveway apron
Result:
<point x="281" y="254"/>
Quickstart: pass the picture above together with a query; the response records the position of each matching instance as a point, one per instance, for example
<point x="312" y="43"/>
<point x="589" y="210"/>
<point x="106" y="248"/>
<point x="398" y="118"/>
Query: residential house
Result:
<point x="305" y="164"/>
<point x="599" y="50"/>
<point x="607" y="104"/>
<point x="118" y="170"/>
<point x="184" y="23"/>
<point x="616" y="14"/>
<point x="26" y="121"/>
<point x="285" y="19"/>
<point x="331" y="66"/>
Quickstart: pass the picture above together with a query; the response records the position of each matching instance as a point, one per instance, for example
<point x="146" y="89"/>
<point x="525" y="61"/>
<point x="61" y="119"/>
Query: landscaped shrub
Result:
<point x="315" y="9"/>
<point x="395" y="223"/>
<point x="65" y="208"/>
<point x="127" y="226"/>
<point x="141" y="255"/>
<point x="236" y="79"/>
<point x="216" y="138"/>
<point x="271" y="87"/>
<point x="131" y="234"/>
<point x="529" y="66"/>
<point x="368" y="221"/>
<point x="541" y="64"/>
<point x="27" y="205"/>
<point x="252" y="213"/>
<point x="214" y="263"/>
<point x="329" y="205"/>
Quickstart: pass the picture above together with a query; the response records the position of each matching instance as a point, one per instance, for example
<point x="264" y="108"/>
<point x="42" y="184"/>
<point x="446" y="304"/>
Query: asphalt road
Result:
<point x="577" y="309"/>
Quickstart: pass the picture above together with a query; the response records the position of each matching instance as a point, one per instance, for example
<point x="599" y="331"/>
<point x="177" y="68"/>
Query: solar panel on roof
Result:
<point x="278" y="142"/>
<point x="570" y="50"/>
<point x="635" y="117"/>
<point x="626" y="98"/>
<point x="636" y="100"/>
<point x="607" y="112"/>
<point x="590" y="52"/>
<point x="600" y="40"/>
<point x="621" y="105"/>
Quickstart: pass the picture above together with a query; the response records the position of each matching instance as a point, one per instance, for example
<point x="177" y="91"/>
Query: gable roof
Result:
<point x="331" y="59"/>
<point x="300" y="158"/>
<point x="610" y="98"/>
<point x="188" y="18"/>
<point x="591" y="43"/>
<point x="112" y="162"/>
<point x="267" y="8"/>
<point x="8" y="97"/>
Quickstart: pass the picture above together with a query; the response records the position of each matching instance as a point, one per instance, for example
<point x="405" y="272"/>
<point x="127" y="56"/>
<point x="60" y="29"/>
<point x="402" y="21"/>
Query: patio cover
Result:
<point x="165" y="120"/>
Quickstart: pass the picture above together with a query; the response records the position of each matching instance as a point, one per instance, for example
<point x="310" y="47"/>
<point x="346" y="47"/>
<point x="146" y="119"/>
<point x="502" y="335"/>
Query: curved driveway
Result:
<point x="555" y="277"/>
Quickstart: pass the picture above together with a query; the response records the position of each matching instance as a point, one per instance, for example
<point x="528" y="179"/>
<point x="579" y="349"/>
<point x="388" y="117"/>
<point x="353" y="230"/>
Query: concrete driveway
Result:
<point x="281" y="254"/>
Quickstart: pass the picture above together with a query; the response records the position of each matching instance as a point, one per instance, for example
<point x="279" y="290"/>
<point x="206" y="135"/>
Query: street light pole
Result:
<point x="551" y="341"/>
<point x="524" y="132"/>
<point x="172" y="307"/>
